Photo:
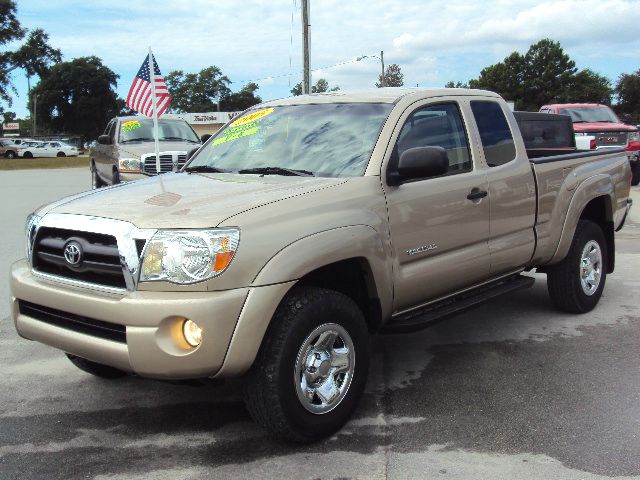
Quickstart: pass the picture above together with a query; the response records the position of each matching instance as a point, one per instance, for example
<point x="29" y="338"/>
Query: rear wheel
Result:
<point x="312" y="367"/>
<point x="96" y="369"/>
<point x="61" y="154"/>
<point x="575" y="284"/>
<point x="28" y="155"/>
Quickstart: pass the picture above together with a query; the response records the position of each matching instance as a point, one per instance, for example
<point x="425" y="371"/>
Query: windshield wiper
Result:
<point x="277" y="171"/>
<point x="141" y="139"/>
<point x="180" y="139"/>
<point x="204" y="169"/>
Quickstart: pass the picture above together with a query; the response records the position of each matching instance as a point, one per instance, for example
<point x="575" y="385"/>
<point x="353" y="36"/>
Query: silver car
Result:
<point x="126" y="150"/>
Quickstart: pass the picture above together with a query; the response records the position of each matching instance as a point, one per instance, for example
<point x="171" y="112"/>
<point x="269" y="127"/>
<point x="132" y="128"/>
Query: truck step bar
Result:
<point x="429" y="314"/>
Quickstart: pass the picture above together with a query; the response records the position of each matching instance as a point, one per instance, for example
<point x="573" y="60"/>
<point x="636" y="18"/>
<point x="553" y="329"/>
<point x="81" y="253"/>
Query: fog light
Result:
<point x="192" y="332"/>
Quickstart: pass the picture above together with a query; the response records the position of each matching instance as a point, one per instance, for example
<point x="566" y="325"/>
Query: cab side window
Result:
<point x="437" y="126"/>
<point x="497" y="141"/>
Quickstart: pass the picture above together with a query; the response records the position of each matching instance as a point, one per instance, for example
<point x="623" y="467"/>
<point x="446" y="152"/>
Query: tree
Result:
<point x="542" y="75"/>
<point x="197" y="92"/>
<point x="241" y="100"/>
<point x="628" y="91"/>
<point x="321" y="86"/>
<point x="393" y="77"/>
<point x="77" y="97"/>
<point x="34" y="56"/>
<point x="451" y="84"/>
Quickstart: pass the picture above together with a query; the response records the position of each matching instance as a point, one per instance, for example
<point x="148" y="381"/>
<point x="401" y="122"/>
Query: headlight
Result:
<point x="30" y="232"/>
<point x="130" y="165"/>
<point x="633" y="137"/>
<point x="188" y="256"/>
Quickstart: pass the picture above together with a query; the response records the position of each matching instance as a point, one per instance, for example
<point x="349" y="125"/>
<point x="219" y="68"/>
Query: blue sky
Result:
<point x="433" y="41"/>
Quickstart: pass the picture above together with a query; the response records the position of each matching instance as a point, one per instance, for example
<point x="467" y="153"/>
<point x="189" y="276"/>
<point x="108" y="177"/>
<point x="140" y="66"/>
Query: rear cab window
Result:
<point x="495" y="134"/>
<point x="439" y="125"/>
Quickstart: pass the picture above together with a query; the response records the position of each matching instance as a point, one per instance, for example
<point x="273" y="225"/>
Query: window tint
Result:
<point x="437" y="126"/>
<point x="495" y="134"/>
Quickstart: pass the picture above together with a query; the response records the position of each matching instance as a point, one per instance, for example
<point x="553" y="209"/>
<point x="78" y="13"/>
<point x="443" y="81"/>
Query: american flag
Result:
<point x="140" y="97"/>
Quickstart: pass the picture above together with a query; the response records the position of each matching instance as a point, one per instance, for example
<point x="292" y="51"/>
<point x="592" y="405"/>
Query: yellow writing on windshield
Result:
<point x="252" y="117"/>
<point x="236" y="132"/>
<point x="130" y="125"/>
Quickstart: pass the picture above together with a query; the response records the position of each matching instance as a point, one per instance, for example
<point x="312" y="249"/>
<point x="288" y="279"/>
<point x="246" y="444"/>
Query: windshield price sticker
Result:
<point x="237" y="132"/>
<point x="252" y="117"/>
<point x="130" y="125"/>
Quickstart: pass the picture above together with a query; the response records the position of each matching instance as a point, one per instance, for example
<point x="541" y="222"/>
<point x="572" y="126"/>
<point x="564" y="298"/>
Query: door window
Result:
<point x="497" y="141"/>
<point x="437" y="126"/>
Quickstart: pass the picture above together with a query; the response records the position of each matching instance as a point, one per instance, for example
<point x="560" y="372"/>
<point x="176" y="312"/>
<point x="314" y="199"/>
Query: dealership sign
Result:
<point x="203" y="118"/>
<point x="11" y="126"/>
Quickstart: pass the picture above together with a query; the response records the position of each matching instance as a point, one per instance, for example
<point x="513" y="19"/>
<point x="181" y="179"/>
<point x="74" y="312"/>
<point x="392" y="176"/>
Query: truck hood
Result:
<point x="182" y="200"/>
<point x="137" y="149"/>
<point x="603" y="127"/>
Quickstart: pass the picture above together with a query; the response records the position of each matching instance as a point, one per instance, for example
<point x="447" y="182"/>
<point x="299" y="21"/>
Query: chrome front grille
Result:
<point x="610" y="139"/>
<point x="98" y="256"/>
<point x="169" y="162"/>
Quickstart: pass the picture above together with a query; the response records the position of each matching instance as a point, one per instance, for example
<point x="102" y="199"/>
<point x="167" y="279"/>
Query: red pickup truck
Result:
<point x="609" y="132"/>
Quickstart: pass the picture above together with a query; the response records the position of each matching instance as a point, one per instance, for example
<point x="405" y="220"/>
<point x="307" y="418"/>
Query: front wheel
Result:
<point x="96" y="369"/>
<point x="10" y="154"/>
<point x="575" y="284"/>
<point x="96" y="181"/>
<point x="61" y="154"/>
<point x="28" y="155"/>
<point x="312" y="367"/>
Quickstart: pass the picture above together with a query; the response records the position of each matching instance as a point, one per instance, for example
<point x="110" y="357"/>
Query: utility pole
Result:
<point x="306" y="78"/>
<point x="35" y="111"/>
<point x="384" y="83"/>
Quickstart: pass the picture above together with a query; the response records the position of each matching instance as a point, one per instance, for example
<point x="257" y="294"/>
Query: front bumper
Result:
<point x="154" y="346"/>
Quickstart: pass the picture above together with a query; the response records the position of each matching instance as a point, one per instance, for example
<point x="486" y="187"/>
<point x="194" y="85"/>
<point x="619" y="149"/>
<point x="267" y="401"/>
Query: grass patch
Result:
<point x="39" y="163"/>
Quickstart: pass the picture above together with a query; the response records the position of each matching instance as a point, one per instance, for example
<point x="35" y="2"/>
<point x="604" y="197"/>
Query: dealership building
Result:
<point x="202" y="123"/>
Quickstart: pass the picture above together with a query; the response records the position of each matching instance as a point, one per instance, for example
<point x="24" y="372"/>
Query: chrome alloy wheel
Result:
<point x="590" y="267"/>
<point x="324" y="368"/>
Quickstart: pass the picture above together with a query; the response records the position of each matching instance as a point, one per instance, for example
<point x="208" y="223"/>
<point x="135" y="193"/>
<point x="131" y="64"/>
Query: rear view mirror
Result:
<point x="205" y="137"/>
<point x="104" y="140"/>
<point x="422" y="162"/>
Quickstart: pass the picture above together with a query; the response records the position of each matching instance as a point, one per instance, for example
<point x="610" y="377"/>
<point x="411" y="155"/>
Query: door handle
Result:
<point x="477" y="194"/>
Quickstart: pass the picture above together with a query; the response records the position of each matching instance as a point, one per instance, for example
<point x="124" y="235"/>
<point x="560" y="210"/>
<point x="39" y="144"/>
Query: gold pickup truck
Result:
<point x="305" y="226"/>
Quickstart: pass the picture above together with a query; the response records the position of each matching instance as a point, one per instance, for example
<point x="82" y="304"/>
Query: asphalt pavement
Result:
<point x="510" y="390"/>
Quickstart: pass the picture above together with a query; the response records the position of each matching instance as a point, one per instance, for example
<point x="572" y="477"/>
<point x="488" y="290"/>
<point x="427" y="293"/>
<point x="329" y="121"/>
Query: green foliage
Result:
<point x="393" y="76"/>
<point x="197" y="92"/>
<point x="321" y="86"/>
<point x="34" y="56"/>
<point x="628" y="90"/>
<point x="452" y="84"/>
<point x="241" y="100"/>
<point x="545" y="74"/>
<point x="77" y="97"/>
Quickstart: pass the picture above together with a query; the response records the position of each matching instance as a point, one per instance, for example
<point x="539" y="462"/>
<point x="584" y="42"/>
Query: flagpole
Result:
<point x="152" y="77"/>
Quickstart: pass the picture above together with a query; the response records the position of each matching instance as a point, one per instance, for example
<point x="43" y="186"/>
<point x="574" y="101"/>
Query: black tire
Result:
<point x="271" y="394"/>
<point x="635" y="173"/>
<point x="96" y="369"/>
<point x="10" y="154"/>
<point x="28" y="155"/>
<point x="564" y="278"/>
<point x="60" y="154"/>
<point x="115" y="177"/>
<point x="96" y="181"/>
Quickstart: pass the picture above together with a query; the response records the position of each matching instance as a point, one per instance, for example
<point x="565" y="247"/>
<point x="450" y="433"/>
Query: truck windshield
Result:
<point x="589" y="114"/>
<point x="141" y="129"/>
<point x="328" y="140"/>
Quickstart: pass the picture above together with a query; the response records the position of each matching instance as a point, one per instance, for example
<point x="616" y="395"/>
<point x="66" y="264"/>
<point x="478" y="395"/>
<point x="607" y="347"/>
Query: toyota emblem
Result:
<point x="73" y="253"/>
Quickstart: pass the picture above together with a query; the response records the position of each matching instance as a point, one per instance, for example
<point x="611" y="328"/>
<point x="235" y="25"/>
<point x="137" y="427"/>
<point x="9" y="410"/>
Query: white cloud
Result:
<point x="433" y="41"/>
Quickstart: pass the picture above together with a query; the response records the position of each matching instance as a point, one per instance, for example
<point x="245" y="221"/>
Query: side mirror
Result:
<point x="191" y="152"/>
<point x="205" y="137"/>
<point x="104" y="140"/>
<point x="422" y="162"/>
